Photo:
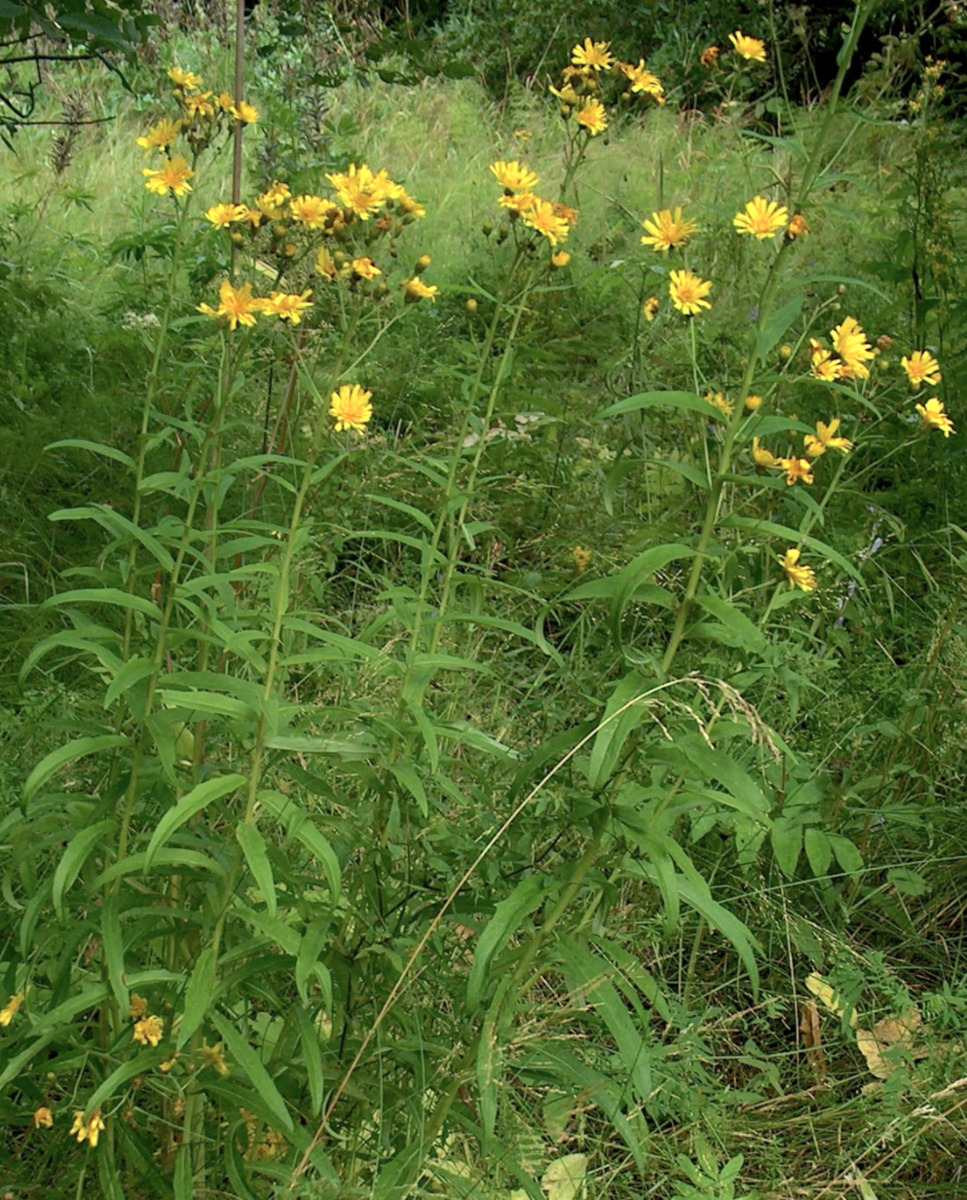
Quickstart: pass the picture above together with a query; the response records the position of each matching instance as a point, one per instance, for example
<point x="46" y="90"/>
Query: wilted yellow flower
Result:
<point x="593" y="117"/>
<point x="287" y="306"/>
<point x="88" y="1131"/>
<point x="13" y="1005"/>
<point x="199" y="104"/>
<point x="593" y="56"/>
<point x="325" y="264"/>
<point x="214" y="1057"/>
<point x="237" y="304"/>
<point x="138" y="1007"/>
<point x="43" y="1116"/>
<point x="763" y="457"/>
<point x="365" y="268"/>
<point x="311" y="211"/>
<point x="650" y="308"/>
<point x="799" y="577"/>
<point x="797" y="469"/>
<point x="567" y="95"/>
<point x="161" y="137"/>
<point x="761" y="218"/>
<point x="933" y="416"/>
<point x="748" y="47"/>
<point x="921" y="367"/>
<point x="415" y="289"/>
<point x="172" y="177"/>
<point x="667" y="229"/>
<point x="753" y="403"/>
<point x="582" y="558"/>
<point x="797" y="227"/>
<point x="542" y="216"/>
<point x="717" y="400"/>
<point x="849" y="342"/>
<point x="515" y="176"/>
<point x="709" y="57"/>
<point x="184" y="79"/>
<point x="351" y="408"/>
<point x="149" y="1031"/>
<point x="688" y="292"/>
<point x="560" y="259"/>
<point x="825" y="439"/>
<point x="223" y="215"/>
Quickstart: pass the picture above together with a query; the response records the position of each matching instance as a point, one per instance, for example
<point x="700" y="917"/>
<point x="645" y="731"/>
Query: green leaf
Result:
<point x="74" y="858"/>
<point x="113" y="943"/>
<point x="118" y="525"/>
<point x="787" y="840"/>
<point x="94" y="447"/>
<point x="847" y="855"/>
<point x="51" y="763"/>
<point x="105" y="595"/>
<point x="501" y="927"/>
<point x="312" y="1052"/>
<point x="683" y="401"/>
<point x="412" y="782"/>
<point x="737" y="623"/>
<point x="793" y="537"/>
<point x="819" y="852"/>
<point x="776" y="325"/>
<point x="198" y="996"/>
<point x="193" y="802"/>
<point x="253" y="847"/>
<point x="243" y="1054"/>
<point x="307" y="962"/>
<point x="138" y="1064"/>
<point x="298" y="824"/>
<point x="608" y="745"/>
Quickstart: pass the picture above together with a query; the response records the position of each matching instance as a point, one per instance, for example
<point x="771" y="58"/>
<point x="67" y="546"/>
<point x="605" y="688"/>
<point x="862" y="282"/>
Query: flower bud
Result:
<point x="487" y="228"/>
<point x="421" y="264"/>
<point x="785" y="352"/>
<point x="884" y="341"/>
<point x="472" y="306"/>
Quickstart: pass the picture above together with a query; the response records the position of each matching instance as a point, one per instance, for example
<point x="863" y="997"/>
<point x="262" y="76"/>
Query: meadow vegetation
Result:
<point x="482" y="688"/>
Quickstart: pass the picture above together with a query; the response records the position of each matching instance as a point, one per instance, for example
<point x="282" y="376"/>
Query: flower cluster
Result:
<point x="799" y="468"/>
<point x="594" y="80"/>
<point x="520" y="202"/>
<point x="848" y="357"/>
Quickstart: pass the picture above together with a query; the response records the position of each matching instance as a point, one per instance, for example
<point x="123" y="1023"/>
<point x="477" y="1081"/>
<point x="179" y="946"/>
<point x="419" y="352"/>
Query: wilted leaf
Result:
<point x="886" y="1035"/>
<point x="828" y="997"/>
<point x="813" y="1038"/>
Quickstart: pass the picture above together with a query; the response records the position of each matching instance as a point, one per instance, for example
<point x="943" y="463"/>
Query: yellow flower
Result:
<point x="921" y="367"/>
<point x="582" y="558"/>
<point x="797" y="227"/>
<point x="351" y="408"/>
<point x="287" y="306"/>
<point x="762" y="218"/>
<point x="43" y="1116"/>
<point x="225" y="102"/>
<point x="643" y="81"/>
<point x="824" y="364"/>
<point x="763" y="457"/>
<point x="825" y="439"/>
<point x="161" y="137"/>
<point x="363" y="192"/>
<point x="566" y="214"/>
<point x="365" y="268"/>
<point x="517" y="205"/>
<point x="753" y="403"/>
<point x="149" y="1031"/>
<point x="13" y="1007"/>
<point x="650" y="308"/>
<point x="717" y="400"/>
<point x="408" y="206"/>
<point x="667" y="229"/>
<point x="593" y="117"/>
<point x="748" y="47"/>
<point x="88" y="1131"/>
<point x="849" y="342"/>
<point x="237" y="304"/>
<point x="248" y="114"/>
<point x="172" y="177"/>
<point x="270" y="202"/>
<point x="799" y="577"/>
<point x="312" y="211"/>
<point x="593" y="56"/>
<point x="567" y="95"/>
<point x="199" y="104"/>
<point x="214" y="1057"/>
<point x="325" y="264"/>
<point x="415" y="289"/>
<point x="933" y="417"/>
<point x="797" y="469"/>
<point x="541" y="215"/>
<point x="222" y="215"/>
<point x="561" y="259"/>
<point x="515" y="176"/>
<point x="184" y="79"/>
<point x="138" y="1007"/>
<point x="688" y="292"/>
<point x="709" y="57"/>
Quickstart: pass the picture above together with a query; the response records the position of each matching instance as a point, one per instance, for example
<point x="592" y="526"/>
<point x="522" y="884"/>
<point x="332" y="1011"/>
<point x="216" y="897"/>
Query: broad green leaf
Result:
<point x="298" y="824"/>
<point x="847" y="855"/>
<point x="105" y="595"/>
<point x="94" y="447"/>
<point x="410" y="779"/>
<point x="130" y="674"/>
<point x="775" y="326"/>
<point x="51" y="763"/>
<point x="253" y="847"/>
<point x="787" y="840"/>
<point x="623" y="713"/>
<point x="312" y="1053"/>
<point x="819" y="852"/>
<point x="14" y="1065"/>
<point x="501" y="927"/>
<point x="792" y="537"/>
<point x="139" y="1064"/>
<point x="193" y="802"/>
<point x="113" y="943"/>
<point x="118" y="525"/>
<point x="735" y="621"/>
<point x="241" y="1051"/>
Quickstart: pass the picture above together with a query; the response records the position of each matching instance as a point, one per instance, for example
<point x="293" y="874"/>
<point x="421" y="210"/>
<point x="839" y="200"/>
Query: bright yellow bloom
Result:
<point x="763" y="457"/>
<point x="667" y="229"/>
<point x="149" y="1031"/>
<point x="753" y="403"/>
<point x="270" y="202"/>
<point x="561" y="259"/>
<point x="161" y="137"/>
<point x="199" y="104"/>
<point x="517" y="205"/>
<point x="717" y="400"/>
<point x="248" y="114"/>
<point x="88" y="1131"/>
<point x="214" y="1057"/>
<point x="824" y="364"/>
<point x="225" y="102"/>
<point x="921" y="367"/>
<point x="650" y="308"/>
<point x="593" y="56"/>
<point x="43" y="1116"/>
<point x="567" y="95"/>
<point x="762" y="218"/>
<point x="933" y="417"/>
<point x="13" y="1007"/>
<point x="515" y="176"/>
<point x="172" y="177"/>
<point x="593" y="117"/>
<point x="223" y="215"/>
<point x="541" y="215"/>
<point x="825" y="439"/>
<point x="311" y="211"/>
<point x="799" y="577"/>
<point x="415" y="289"/>
<point x="365" y="268"/>
<point x="688" y="292"/>
<point x="849" y="342"/>
<point x="184" y="79"/>
<point x="643" y="81"/>
<point x="797" y="469"/>
<point x="351" y="408"/>
<point x="362" y="191"/>
<point x="237" y="304"/>
<point x="748" y="47"/>
<point x="287" y="306"/>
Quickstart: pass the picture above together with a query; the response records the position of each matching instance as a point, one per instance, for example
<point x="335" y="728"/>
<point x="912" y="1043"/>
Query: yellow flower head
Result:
<point x="799" y="577"/>
<point x="644" y="82"/>
<point x="717" y="400"/>
<point x="515" y="176"/>
<point x="797" y="470"/>
<point x="753" y="403"/>
<point x="415" y="289"/>
<point x="184" y="79"/>
<point x="593" y="117"/>
<point x="933" y="417"/>
<point x="225" y="102"/>
<point x="667" y="229"/>
<point x="223" y="215"/>
<point x="362" y="192"/>
<point x="271" y="201"/>
<point x="351" y="408"/>
<point x="593" y="56"/>
<point x="237" y="304"/>
<point x="172" y="177"/>
<point x="921" y="367"/>
<point x="138" y="1007"/>
<point x="567" y="95"/>
<point x="825" y="439"/>
<point x="542" y="216"/>
<point x="408" y="206"/>
<point x="749" y="48"/>
<point x="325" y="264"/>
<point x="849" y="342"/>
<point x="199" y="104"/>
<point x="763" y="457"/>
<point x="149" y="1031"/>
<point x="517" y="205"/>
<point x="582" y="558"/>
<point x="365" y="268"/>
<point x="248" y="114"/>
<point x="287" y="306"/>
<point x="688" y="292"/>
<point x="13" y="1005"/>
<point x="823" y="363"/>
<point x="650" y="308"/>
<point x="43" y="1116"/>
<point x="762" y="218"/>
<point x="88" y="1131"/>
<point x="560" y="259"/>
<point x="312" y="211"/>
<point x="161" y="137"/>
